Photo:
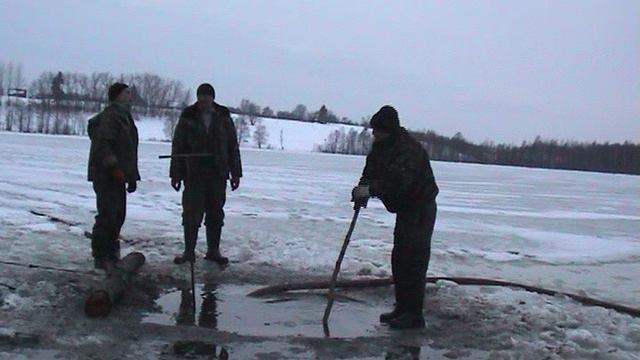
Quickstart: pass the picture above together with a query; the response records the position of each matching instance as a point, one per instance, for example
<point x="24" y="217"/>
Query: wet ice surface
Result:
<point x="569" y="231"/>
<point x="227" y="308"/>
<point x="461" y="322"/>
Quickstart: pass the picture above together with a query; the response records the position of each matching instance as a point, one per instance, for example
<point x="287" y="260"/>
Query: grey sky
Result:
<point x="499" y="70"/>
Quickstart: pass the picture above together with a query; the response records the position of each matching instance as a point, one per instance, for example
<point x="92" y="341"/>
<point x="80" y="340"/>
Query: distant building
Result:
<point x="14" y="92"/>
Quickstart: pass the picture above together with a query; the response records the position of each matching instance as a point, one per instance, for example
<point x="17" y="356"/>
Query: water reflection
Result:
<point x="225" y="307"/>
<point x="208" y="315"/>
<point x="191" y="349"/>
<point x="403" y="352"/>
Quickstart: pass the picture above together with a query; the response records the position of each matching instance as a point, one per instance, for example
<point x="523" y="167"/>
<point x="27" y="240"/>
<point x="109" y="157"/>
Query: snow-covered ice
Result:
<point x="565" y="230"/>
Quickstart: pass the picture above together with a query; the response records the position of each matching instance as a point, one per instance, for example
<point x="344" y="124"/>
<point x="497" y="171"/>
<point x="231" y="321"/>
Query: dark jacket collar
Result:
<point x="193" y="111"/>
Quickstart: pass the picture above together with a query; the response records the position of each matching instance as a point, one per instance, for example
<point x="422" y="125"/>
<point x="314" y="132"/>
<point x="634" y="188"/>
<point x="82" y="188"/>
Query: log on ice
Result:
<point x="368" y="283"/>
<point x="101" y="300"/>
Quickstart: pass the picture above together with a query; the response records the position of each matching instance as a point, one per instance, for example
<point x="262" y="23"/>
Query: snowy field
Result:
<point x="296" y="135"/>
<point x="571" y="231"/>
<point x="281" y="134"/>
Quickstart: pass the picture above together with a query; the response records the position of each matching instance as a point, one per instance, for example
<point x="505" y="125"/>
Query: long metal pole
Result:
<point x="185" y="155"/>
<point x="336" y="270"/>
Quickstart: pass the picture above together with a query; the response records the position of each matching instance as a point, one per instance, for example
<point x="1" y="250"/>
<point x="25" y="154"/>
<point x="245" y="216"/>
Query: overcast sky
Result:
<point x="493" y="70"/>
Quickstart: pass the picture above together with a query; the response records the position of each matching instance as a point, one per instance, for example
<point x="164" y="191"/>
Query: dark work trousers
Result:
<point x="203" y="196"/>
<point x="111" y="201"/>
<point x="410" y="256"/>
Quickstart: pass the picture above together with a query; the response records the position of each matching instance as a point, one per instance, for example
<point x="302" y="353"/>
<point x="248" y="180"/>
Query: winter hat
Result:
<point x="206" y="89"/>
<point x="115" y="90"/>
<point x="386" y="119"/>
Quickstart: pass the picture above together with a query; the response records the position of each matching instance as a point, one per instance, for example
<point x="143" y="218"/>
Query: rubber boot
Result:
<point x="408" y="320"/>
<point x="189" y="254"/>
<point x="388" y="316"/>
<point x="213" y="245"/>
<point x="115" y="251"/>
<point x="412" y="299"/>
<point x="399" y="307"/>
<point x="100" y="262"/>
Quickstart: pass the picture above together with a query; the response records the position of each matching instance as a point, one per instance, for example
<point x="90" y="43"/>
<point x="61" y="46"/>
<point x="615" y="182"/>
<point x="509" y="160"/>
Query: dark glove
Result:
<point x="117" y="175"/>
<point x="175" y="183"/>
<point x="360" y="196"/>
<point x="131" y="187"/>
<point x="235" y="183"/>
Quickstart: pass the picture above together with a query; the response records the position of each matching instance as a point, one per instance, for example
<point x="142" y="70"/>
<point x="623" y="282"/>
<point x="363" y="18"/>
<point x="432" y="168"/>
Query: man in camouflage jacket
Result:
<point x="206" y="129"/>
<point x="113" y="163"/>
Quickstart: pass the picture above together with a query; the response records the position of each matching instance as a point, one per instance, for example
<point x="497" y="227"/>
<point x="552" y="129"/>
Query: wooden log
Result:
<point x="368" y="283"/>
<point x="101" y="301"/>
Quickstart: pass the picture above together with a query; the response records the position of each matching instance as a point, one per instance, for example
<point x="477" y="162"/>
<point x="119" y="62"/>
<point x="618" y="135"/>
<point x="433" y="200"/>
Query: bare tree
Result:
<point x="186" y="98"/>
<point x="260" y="134"/>
<point x="351" y="141"/>
<point x="2" y="78"/>
<point x="41" y="87"/>
<point x="170" y="125"/>
<point x="56" y="86"/>
<point x="44" y="117"/>
<point x="365" y="140"/>
<point x="9" y="80"/>
<point x="250" y="109"/>
<point x="342" y="141"/>
<point x="242" y="128"/>
<point x="300" y="112"/>
<point x="266" y="111"/>
<point x="21" y="111"/>
<point x="98" y="85"/>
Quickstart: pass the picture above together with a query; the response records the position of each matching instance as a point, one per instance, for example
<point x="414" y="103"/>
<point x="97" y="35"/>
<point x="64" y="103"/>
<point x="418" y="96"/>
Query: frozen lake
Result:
<point x="570" y="231"/>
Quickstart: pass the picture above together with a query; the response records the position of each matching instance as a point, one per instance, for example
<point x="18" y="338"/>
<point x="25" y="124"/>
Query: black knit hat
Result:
<point x="115" y="90"/>
<point x="206" y="89"/>
<point x="386" y="119"/>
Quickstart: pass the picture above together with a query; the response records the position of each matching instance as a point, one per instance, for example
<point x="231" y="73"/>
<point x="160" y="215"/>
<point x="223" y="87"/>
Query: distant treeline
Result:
<point x="352" y="142"/>
<point x="551" y="154"/>
<point x="55" y="98"/>
<point x="60" y="103"/>
<point x="568" y="155"/>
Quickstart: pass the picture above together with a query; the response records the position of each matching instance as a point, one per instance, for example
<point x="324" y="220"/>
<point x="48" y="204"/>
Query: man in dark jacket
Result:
<point x="113" y="162"/>
<point x="205" y="129"/>
<point x="398" y="172"/>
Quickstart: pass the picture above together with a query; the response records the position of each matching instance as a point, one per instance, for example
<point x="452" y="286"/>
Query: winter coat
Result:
<point x="192" y="137"/>
<point x="398" y="172"/>
<point x="114" y="144"/>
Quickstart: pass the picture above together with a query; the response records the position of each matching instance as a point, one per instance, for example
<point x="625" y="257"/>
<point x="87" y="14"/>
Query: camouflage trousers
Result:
<point x="111" y="203"/>
<point x="203" y="197"/>
<point x="410" y="256"/>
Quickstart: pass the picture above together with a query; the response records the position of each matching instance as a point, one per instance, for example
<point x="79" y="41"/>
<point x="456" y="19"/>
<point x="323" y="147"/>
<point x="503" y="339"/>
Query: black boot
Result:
<point x="189" y="254"/>
<point x="407" y="321"/>
<point x="386" y="317"/>
<point x="115" y="251"/>
<point x="184" y="257"/>
<point x="213" y="245"/>
<point x="100" y="262"/>
<point x="412" y="298"/>
<point x="399" y="307"/>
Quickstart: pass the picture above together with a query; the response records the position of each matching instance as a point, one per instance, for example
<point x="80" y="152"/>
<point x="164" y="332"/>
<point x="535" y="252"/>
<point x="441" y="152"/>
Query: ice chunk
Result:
<point x="583" y="337"/>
